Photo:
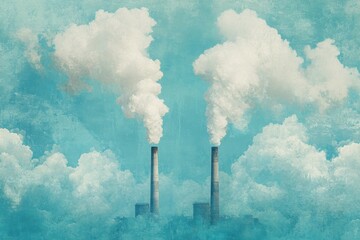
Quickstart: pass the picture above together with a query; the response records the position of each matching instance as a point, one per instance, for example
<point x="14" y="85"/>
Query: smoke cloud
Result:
<point x="254" y="65"/>
<point x="113" y="50"/>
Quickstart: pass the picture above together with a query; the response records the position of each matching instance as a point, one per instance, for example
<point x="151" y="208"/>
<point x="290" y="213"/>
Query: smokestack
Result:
<point x="214" y="198"/>
<point x="154" y="182"/>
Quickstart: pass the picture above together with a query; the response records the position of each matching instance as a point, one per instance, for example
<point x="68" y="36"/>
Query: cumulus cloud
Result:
<point x="113" y="50"/>
<point x="61" y="196"/>
<point x="335" y="128"/>
<point x="15" y="161"/>
<point x="74" y="199"/>
<point x="97" y="182"/>
<point x="254" y="65"/>
<point x="32" y="48"/>
<point x="291" y="186"/>
<point x="281" y="179"/>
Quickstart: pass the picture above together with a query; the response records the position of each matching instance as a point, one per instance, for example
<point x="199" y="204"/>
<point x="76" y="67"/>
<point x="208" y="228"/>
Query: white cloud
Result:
<point x="287" y="182"/>
<point x="15" y="160"/>
<point x="329" y="79"/>
<point x="281" y="179"/>
<point x="256" y="66"/>
<point x="96" y="184"/>
<point x="31" y="42"/>
<point x="113" y="50"/>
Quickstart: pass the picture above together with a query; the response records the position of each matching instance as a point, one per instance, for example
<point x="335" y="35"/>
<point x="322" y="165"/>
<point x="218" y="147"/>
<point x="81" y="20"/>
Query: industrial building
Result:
<point x="201" y="210"/>
<point x="206" y="222"/>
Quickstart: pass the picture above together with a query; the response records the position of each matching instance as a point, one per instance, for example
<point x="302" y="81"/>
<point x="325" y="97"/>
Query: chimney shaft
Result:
<point x="214" y="199"/>
<point x="154" y="182"/>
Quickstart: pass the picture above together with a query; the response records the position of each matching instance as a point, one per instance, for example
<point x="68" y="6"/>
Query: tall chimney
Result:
<point x="154" y="182"/>
<point x="214" y="199"/>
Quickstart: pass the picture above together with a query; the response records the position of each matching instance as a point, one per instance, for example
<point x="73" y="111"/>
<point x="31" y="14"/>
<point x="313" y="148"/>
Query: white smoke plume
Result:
<point x="256" y="66"/>
<point x="113" y="50"/>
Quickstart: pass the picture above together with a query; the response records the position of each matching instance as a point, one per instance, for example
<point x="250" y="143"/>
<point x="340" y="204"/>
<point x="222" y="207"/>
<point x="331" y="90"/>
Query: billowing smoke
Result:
<point x="256" y="66"/>
<point x="113" y="50"/>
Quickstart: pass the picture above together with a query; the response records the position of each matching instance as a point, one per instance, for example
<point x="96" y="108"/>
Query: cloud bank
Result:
<point x="55" y="200"/>
<point x="112" y="49"/>
<point x="293" y="189"/>
<point x="255" y="66"/>
<point x="92" y="182"/>
<point x="281" y="179"/>
<point x="55" y="197"/>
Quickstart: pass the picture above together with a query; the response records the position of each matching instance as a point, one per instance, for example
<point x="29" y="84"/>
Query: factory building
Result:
<point x="205" y="222"/>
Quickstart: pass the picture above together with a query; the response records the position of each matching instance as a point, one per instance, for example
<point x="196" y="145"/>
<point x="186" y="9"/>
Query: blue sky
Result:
<point x="183" y="31"/>
<point x="34" y="104"/>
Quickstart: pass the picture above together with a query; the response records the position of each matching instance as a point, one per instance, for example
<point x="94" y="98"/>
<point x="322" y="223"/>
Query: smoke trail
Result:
<point x="113" y="50"/>
<point x="256" y="66"/>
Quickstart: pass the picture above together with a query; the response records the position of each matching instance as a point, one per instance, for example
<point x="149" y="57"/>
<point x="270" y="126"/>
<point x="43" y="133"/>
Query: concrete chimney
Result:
<point x="214" y="195"/>
<point x="154" y="182"/>
<point x="141" y="209"/>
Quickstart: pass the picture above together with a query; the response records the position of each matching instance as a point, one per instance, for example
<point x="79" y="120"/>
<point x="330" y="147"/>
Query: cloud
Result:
<point x="32" y="48"/>
<point x="287" y="182"/>
<point x="96" y="182"/>
<point x="281" y="179"/>
<point x="329" y="79"/>
<point x="113" y="50"/>
<point x="15" y="161"/>
<point x="59" y="197"/>
<point x="256" y="66"/>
